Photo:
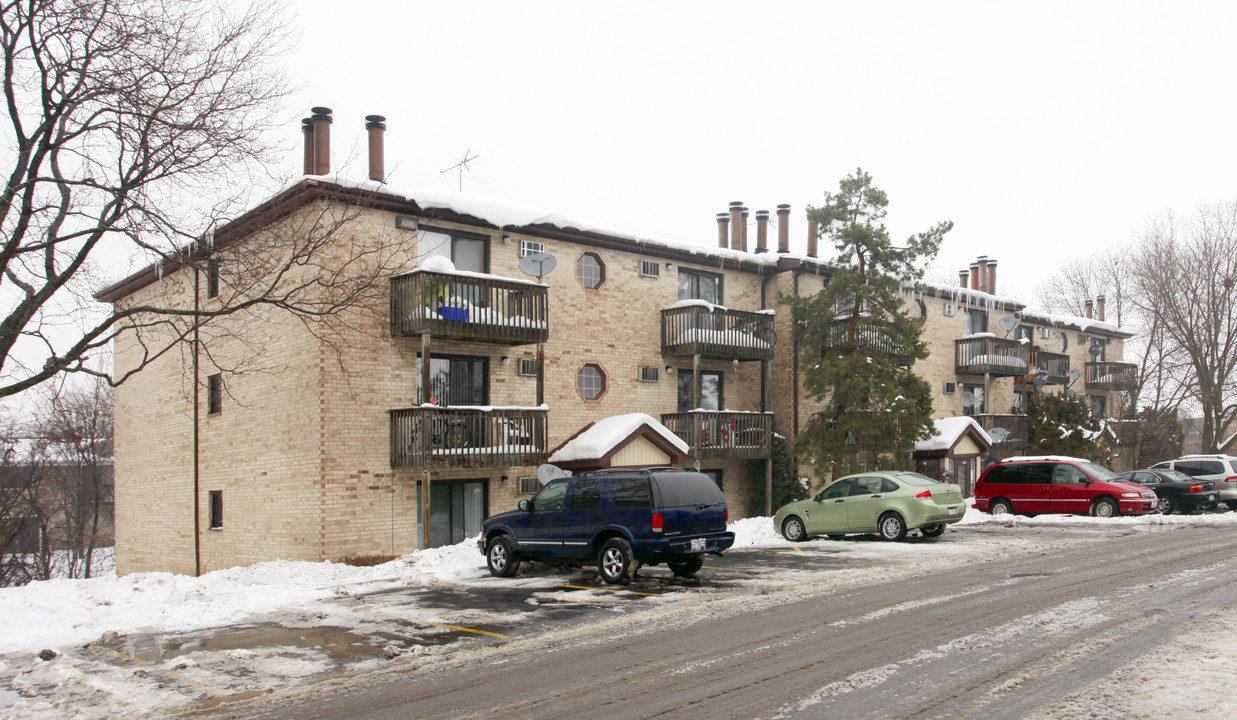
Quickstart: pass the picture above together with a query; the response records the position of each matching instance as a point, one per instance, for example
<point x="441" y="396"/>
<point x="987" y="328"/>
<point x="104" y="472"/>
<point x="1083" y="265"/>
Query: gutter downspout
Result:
<point x="197" y="392"/>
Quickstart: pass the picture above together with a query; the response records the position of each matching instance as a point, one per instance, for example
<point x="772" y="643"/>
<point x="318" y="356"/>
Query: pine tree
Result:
<point x="1062" y="424"/>
<point x="858" y="342"/>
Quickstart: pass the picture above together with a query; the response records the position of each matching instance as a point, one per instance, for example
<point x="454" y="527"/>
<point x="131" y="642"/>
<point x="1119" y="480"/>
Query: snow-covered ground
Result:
<point x="65" y="615"/>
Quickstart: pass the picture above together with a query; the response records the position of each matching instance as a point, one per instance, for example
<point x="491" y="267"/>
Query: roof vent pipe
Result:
<point x="783" y="228"/>
<point x="1099" y="308"/>
<point x="322" y="140"/>
<point x="962" y="276"/>
<point x="992" y="276"/>
<point x="1089" y="305"/>
<point x="743" y="234"/>
<point x="982" y="262"/>
<point x="974" y="276"/>
<point x="811" y="238"/>
<point x="723" y="230"/>
<point x="307" y="127"/>
<point x="736" y="224"/>
<point x="377" y="126"/>
<point x="762" y="231"/>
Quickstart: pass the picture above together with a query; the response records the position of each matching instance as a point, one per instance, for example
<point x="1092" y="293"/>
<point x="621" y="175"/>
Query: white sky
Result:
<point x="1043" y="131"/>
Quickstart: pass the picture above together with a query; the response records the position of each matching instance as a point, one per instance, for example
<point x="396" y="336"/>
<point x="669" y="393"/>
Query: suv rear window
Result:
<point x="1194" y="468"/>
<point x="631" y="492"/>
<point x="688" y="488"/>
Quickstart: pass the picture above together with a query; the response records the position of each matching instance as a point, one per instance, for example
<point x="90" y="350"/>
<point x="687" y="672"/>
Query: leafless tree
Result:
<point x="24" y="554"/>
<point x="1106" y="273"/>
<point x="1184" y="277"/>
<point x="133" y="127"/>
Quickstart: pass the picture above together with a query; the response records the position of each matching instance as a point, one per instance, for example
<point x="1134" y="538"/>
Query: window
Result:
<point x="528" y="485"/>
<point x="866" y="486"/>
<point x="25" y="533"/>
<point x="696" y="285"/>
<point x="839" y="489"/>
<point x="974" y="321"/>
<point x="1067" y="475"/>
<point x="631" y="492"/>
<point x="528" y="367"/>
<point x="1022" y="401"/>
<point x="1098" y="349"/>
<point x="648" y="374"/>
<point x="591" y="381"/>
<point x="456" y="381"/>
<point x="650" y="268"/>
<point x="531" y="247"/>
<point x="465" y="252"/>
<point x="216" y="509"/>
<point x="590" y="270"/>
<point x="715" y="476"/>
<point x="551" y="497"/>
<point x="977" y="405"/>
<point x="1099" y="405"/>
<point x="1024" y="332"/>
<point x="710" y="391"/>
<point x="212" y="278"/>
<point x="214" y="394"/>
<point x="586" y="495"/>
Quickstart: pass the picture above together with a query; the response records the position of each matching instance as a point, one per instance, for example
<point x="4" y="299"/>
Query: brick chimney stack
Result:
<point x="322" y="140"/>
<point x="1089" y="306"/>
<point x="723" y="230"/>
<point x="811" y="238"/>
<point x="736" y="224"/>
<point x="1099" y="308"/>
<point x="962" y="276"/>
<point x="762" y="231"/>
<point x="992" y="276"/>
<point x="783" y="228"/>
<point x="307" y="127"/>
<point x="743" y="235"/>
<point x="376" y="125"/>
<point x="974" y="276"/>
<point x="982" y="262"/>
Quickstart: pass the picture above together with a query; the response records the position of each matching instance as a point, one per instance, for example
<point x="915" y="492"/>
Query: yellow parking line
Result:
<point x="464" y="629"/>
<point x="586" y="587"/>
<point x="789" y="549"/>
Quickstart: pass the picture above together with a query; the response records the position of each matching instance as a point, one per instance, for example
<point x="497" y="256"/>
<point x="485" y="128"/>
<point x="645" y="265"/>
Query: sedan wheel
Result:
<point x="1166" y="506"/>
<point x="932" y="531"/>
<point x="793" y="529"/>
<point x="892" y="527"/>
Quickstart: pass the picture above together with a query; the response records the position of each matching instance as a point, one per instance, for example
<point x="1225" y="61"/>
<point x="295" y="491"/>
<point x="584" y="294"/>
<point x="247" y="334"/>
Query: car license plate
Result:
<point x="952" y="511"/>
<point x="697" y="545"/>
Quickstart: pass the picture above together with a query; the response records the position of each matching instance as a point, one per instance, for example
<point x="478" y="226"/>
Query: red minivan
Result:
<point x="1056" y="484"/>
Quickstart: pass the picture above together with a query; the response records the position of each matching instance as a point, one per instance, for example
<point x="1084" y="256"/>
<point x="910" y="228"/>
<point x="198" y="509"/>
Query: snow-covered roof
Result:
<point x="444" y="266"/>
<point x="1071" y="322"/>
<point x="959" y="294"/>
<point x="948" y="431"/>
<point x="605" y="435"/>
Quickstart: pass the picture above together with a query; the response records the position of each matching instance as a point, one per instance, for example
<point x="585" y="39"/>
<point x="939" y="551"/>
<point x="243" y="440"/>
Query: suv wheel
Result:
<point x="686" y="567"/>
<point x="1105" y="507"/>
<point x="615" y="561"/>
<point x="500" y="557"/>
<point x="892" y="527"/>
<point x="793" y="529"/>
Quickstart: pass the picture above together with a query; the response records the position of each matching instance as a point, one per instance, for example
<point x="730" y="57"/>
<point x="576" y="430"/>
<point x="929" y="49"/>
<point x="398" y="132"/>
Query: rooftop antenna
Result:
<point x="461" y="166"/>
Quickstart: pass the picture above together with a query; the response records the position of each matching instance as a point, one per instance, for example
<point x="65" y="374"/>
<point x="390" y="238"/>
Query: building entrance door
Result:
<point x="457" y="508"/>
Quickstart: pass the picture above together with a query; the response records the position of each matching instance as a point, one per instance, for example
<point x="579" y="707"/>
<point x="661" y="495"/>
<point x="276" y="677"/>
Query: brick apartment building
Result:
<point x="326" y="457"/>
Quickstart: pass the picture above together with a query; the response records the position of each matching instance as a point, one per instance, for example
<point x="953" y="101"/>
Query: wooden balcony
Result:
<point x="1016" y="429"/>
<point x="869" y="339"/>
<point x="716" y="332"/>
<point x="484" y="309"/>
<point x="989" y="355"/>
<point x="1054" y="365"/>
<point x="467" y="437"/>
<point x="713" y="434"/>
<point x="1111" y="375"/>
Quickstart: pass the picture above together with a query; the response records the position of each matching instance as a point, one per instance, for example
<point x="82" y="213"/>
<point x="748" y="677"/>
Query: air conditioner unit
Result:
<point x="648" y="373"/>
<point x="950" y="309"/>
<point x="951" y="388"/>
<point x="650" y="268"/>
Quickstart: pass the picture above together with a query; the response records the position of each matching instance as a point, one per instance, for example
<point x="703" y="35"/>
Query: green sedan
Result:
<point x="886" y="503"/>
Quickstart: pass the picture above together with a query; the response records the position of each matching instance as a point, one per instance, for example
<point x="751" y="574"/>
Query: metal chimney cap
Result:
<point x="723" y="217"/>
<point x="783" y="209"/>
<point x="321" y="113"/>
<point x="375" y="121"/>
<point x="737" y="204"/>
<point x="762" y="214"/>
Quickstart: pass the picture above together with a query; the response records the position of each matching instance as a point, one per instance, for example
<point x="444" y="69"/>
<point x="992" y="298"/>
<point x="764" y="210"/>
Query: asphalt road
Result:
<point x="989" y="639"/>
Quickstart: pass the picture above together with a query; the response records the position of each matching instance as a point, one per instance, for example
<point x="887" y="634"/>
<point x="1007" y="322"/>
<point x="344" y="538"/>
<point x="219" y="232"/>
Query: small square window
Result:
<point x="650" y="268"/>
<point x="528" y="367"/>
<point x="214" y="394"/>
<point x="529" y="485"/>
<point x="216" y="509"/>
<point x="531" y="247"/>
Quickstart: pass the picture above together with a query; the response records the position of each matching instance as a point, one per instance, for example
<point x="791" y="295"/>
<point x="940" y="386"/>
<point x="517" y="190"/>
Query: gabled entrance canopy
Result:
<point x="633" y="440"/>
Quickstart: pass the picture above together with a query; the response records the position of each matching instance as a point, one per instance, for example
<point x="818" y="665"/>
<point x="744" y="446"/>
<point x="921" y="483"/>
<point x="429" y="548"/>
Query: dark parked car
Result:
<point x="1220" y="469"/>
<point x="1176" y="491"/>
<point x="617" y="518"/>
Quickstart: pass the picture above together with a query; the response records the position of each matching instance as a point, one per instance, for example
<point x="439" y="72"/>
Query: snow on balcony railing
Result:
<point x="725" y="433"/>
<point x="986" y="353"/>
<point x="693" y="327"/>
<point x="441" y="437"/>
<point x="469" y="306"/>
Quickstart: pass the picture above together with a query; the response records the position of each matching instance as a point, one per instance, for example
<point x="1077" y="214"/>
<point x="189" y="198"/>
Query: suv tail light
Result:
<point x="1231" y="478"/>
<point x="924" y="495"/>
<point x="728" y="515"/>
<point x="659" y="521"/>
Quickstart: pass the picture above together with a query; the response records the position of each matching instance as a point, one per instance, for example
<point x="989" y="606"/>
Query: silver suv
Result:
<point x="1221" y="469"/>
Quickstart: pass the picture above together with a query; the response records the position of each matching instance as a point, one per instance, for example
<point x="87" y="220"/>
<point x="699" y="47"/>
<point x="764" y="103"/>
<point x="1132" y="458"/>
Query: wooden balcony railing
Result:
<point x="467" y="437"/>
<point x="991" y="355"/>
<point x="1055" y="365"/>
<point x="716" y="332"/>
<point x="1111" y="375"/>
<point x="714" y="434"/>
<point x="869" y="339"/>
<point x="1015" y="427"/>
<point x="481" y="309"/>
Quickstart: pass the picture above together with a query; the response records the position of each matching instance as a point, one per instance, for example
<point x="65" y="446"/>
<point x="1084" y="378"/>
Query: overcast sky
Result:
<point x="1043" y="131"/>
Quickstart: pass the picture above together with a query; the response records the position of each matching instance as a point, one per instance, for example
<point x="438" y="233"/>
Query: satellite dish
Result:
<point x="967" y="398"/>
<point x="1075" y="374"/>
<point x="998" y="435"/>
<point x="538" y="264"/>
<point x="1040" y="379"/>
<point x="1008" y="323"/>
<point x="548" y="472"/>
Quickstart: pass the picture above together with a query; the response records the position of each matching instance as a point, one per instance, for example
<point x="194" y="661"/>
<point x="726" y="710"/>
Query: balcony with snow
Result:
<point x="696" y="327"/>
<point x="1008" y="432"/>
<point x="1055" y="366"/>
<point x="433" y="437"/>
<point x="1111" y="375"/>
<point x="866" y="337"/>
<point x="723" y="433"/>
<point x="987" y="354"/>
<point x="438" y="300"/>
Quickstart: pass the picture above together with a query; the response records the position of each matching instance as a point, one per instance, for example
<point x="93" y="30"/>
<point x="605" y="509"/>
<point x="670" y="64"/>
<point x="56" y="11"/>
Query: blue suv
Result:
<point x="617" y="518"/>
